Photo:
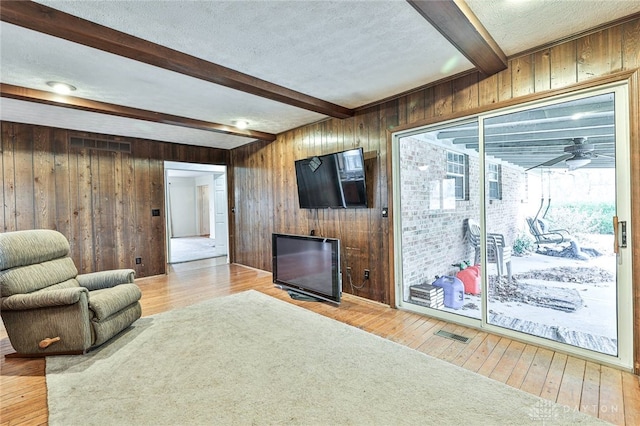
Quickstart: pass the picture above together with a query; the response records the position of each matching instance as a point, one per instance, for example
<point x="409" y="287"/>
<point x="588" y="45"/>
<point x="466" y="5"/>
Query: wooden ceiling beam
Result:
<point x="49" y="98"/>
<point x="59" y="24"/>
<point x="457" y="23"/>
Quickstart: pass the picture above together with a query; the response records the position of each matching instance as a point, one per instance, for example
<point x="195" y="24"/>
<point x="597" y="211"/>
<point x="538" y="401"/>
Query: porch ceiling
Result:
<point x="540" y="136"/>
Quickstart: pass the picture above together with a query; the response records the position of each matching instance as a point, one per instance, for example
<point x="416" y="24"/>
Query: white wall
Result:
<point x="182" y="191"/>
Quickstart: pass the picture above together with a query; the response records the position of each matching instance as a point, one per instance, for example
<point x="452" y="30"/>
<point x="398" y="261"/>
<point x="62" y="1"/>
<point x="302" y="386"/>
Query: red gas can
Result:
<point x="470" y="278"/>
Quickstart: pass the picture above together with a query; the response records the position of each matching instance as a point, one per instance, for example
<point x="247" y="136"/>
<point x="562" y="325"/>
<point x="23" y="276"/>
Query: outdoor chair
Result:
<point x="47" y="308"/>
<point x="497" y="250"/>
<point x="544" y="235"/>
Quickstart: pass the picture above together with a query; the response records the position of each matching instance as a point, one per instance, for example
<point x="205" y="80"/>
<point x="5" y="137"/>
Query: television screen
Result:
<point x="334" y="180"/>
<point x="351" y="173"/>
<point x="318" y="183"/>
<point x="308" y="265"/>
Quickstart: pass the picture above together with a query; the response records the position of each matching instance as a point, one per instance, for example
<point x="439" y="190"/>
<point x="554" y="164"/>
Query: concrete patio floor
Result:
<point x="595" y="320"/>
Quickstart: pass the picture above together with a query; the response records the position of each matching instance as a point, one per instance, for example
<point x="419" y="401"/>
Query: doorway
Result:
<point x="196" y="212"/>
<point x="511" y="221"/>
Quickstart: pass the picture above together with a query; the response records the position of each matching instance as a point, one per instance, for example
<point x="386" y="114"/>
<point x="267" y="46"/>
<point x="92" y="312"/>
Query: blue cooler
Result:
<point x="453" y="291"/>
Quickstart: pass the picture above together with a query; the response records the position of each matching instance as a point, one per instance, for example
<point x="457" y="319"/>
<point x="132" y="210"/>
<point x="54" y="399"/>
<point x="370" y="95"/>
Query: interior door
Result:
<point x="221" y="223"/>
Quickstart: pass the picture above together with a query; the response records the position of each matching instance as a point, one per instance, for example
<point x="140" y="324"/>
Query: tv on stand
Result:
<point x="307" y="267"/>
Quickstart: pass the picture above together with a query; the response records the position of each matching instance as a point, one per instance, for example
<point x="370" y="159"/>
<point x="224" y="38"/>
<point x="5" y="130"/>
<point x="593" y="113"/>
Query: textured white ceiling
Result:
<point x="519" y="25"/>
<point x="347" y="52"/>
<point x="37" y="58"/>
<point x="350" y="53"/>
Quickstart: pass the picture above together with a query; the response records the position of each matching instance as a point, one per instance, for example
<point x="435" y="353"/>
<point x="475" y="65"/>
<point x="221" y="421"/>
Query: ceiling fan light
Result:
<point x="576" y="163"/>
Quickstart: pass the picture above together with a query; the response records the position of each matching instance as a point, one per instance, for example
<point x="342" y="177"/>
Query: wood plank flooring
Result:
<point x="598" y="390"/>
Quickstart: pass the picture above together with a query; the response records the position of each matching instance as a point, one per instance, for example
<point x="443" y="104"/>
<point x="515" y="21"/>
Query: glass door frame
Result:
<point x="624" y="281"/>
<point x="397" y="224"/>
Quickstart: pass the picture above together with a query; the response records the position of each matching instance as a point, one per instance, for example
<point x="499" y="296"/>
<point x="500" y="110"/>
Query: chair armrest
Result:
<point x="43" y="299"/>
<point x="106" y="279"/>
<point x="555" y="235"/>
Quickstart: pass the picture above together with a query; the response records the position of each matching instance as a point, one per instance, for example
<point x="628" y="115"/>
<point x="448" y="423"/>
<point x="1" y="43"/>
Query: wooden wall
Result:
<point x="265" y="193"/>
<point x="266" y="200"/>
<point x="100" y="200"/>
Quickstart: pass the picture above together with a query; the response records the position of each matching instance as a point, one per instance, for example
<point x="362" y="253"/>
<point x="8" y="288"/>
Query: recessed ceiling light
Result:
<point x="241" y="124"/>
<point x="61" y="88"/>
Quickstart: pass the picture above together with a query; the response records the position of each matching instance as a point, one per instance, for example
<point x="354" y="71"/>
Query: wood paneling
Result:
<point x="466" y="93"/>
<point x="631" y="45"/>
<point x="564" y="67"/>
<point x="594" y="47"/>
<point x="44" y="178"/>
<point x="100" y="200"/>
<point x="488" y="90"/>
<point x="24" y="210"/>
<point x="62" y="195"/>
<point x="634" y="113"/>
<point x="553" y="68"/>
<point x="522" y="72"/>
<point x="542" y="70"/>
<point x="504" y="83"/>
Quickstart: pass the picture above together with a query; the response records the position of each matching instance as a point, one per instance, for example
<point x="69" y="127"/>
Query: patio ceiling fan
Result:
<point x="579" y="154"/>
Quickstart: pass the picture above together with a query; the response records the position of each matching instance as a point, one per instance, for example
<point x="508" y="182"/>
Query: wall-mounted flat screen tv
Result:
<point x="308" y="267"/>
<point x="334" y="180"/>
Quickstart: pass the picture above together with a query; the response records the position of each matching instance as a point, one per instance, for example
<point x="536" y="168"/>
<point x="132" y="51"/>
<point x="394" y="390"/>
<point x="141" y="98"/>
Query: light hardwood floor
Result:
<point x="598" y="390"/>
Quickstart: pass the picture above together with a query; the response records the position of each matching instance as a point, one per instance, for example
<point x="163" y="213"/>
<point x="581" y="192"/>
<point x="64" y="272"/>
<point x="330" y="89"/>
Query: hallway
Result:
<point x="186" y="249"/>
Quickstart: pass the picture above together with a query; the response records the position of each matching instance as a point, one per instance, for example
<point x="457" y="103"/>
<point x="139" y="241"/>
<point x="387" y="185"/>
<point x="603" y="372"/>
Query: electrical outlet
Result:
<point x="366" y="274"/>
<point x="138" y="260"/>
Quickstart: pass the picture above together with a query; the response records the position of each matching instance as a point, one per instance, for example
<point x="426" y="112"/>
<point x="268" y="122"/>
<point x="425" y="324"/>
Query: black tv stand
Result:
<point x="304" y="297"/>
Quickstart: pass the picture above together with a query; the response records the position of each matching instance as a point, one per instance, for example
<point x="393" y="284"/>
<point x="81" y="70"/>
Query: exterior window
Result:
<point x="494" y="178"/>
<point x="457" y="170"/>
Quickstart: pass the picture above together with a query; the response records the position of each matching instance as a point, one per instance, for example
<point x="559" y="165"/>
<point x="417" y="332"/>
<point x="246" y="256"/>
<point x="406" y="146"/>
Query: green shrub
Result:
<point x="590" y="218"/>
<point x="523" y="244"/>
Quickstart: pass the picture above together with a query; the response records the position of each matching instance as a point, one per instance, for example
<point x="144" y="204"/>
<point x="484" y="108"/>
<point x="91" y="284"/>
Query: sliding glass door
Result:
<point x="513" y="221"/>
<point x="564" y="283"/>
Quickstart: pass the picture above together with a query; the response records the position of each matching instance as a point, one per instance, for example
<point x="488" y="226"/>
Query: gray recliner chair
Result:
<point x="47" y="308"/>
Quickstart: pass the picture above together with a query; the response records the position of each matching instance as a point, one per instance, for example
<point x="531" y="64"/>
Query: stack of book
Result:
<point x="427" y="295"/>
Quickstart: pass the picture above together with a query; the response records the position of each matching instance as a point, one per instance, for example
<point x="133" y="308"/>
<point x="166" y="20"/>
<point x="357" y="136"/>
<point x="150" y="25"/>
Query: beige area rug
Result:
<point x="250" y="359"/>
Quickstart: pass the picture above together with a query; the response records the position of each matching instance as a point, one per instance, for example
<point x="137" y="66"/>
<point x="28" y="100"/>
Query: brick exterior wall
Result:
<point x="432" y="227"/>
